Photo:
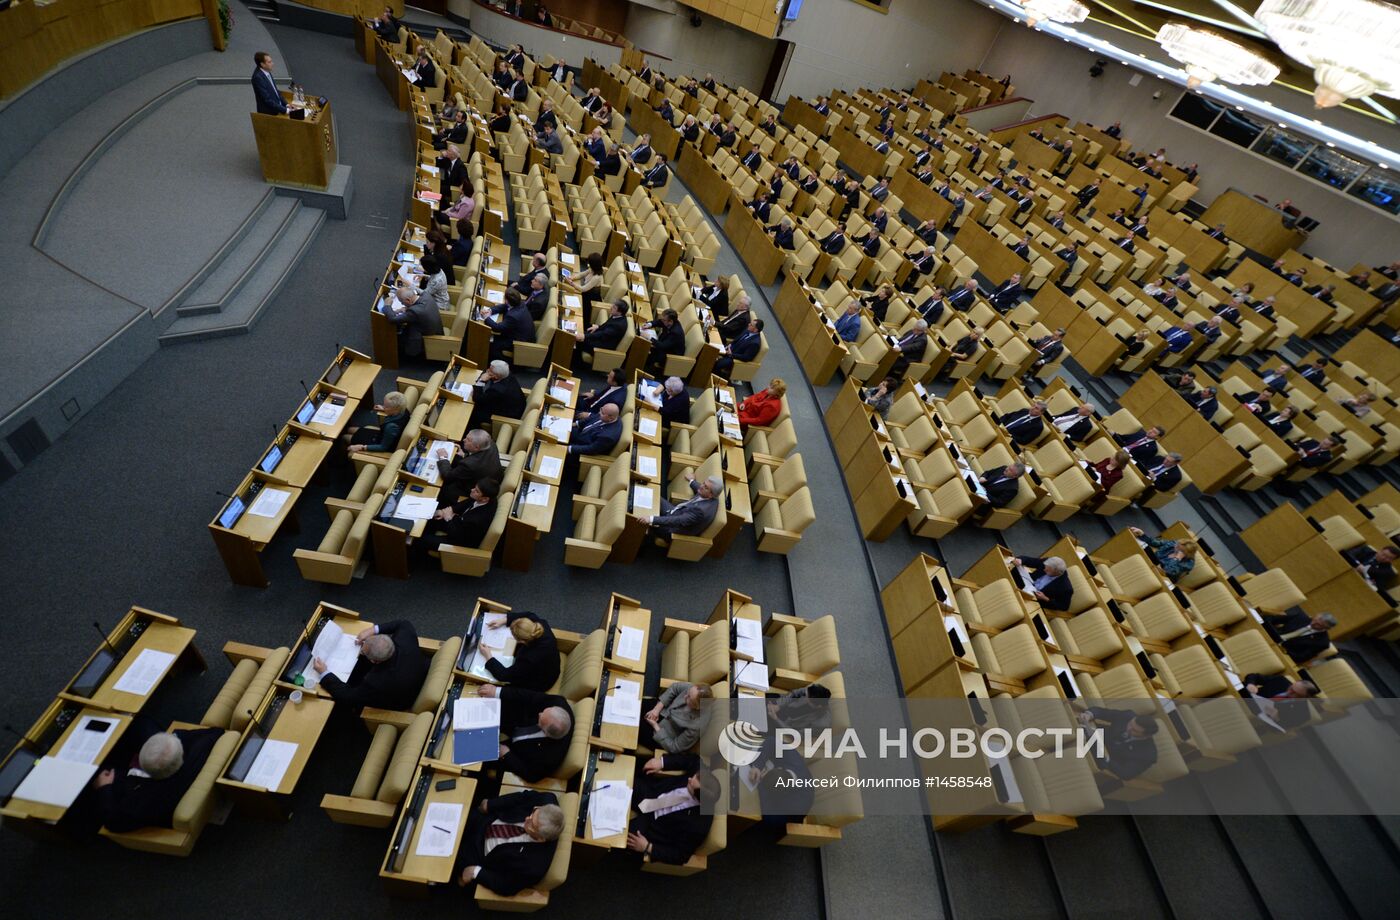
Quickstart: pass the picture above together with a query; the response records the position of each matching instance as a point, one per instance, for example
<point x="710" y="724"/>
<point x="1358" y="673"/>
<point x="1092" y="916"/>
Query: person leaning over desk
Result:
<point x="388" y="673"/>
<point x="384" y="437"/>
<point x="536" y="662"/>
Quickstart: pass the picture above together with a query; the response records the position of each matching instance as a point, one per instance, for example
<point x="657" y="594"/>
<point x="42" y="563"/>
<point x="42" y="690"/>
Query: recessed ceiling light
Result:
<point x="1282" y="125"/>
<point x="1239" y="108"/>
<point x="1382" y="166"/>
<point x="1330" y="144"/>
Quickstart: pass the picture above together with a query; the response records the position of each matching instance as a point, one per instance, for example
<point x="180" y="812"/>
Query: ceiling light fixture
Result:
<point x="1208" y="58"/>
<point x="1353" y="46"/>
<point x="1054" y="10"/>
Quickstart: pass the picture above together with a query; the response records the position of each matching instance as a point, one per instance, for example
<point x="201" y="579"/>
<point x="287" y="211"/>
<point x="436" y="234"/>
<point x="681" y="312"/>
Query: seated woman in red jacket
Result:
<point x="762" y="407"/>
<point x="1110" y="469"/>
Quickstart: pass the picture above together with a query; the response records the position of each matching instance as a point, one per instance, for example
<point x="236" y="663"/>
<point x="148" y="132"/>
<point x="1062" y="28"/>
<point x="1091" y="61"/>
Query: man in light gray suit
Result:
<point x="691" y="517"/>
<point x="419" y="317"/>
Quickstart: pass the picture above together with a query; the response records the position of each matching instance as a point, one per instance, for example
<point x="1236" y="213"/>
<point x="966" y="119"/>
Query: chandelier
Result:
<point x="1208" y="57"/>
<point x="1054" y="10"/>
<point x="1353" y="46"/>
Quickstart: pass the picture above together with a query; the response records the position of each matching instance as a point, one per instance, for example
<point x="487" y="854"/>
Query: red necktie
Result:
<point x="505" y="831"/>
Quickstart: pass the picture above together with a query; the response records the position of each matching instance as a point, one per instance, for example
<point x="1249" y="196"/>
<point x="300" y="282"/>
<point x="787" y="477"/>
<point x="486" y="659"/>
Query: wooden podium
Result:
<point x="296" y="151"/>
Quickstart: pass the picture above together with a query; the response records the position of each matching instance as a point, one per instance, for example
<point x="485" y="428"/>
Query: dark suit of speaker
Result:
<point x="130" y="803"/>
<point x="1059" y="589"/>
<point x="499" y="397"/>
<point x="674" y="837"/>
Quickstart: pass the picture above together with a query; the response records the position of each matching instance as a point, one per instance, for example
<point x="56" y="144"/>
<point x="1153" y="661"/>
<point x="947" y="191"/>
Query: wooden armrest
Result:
<point x="348" y="810"/>
<point x="785" y="679"/>
<point x="339" y="504"/>
<point x="671" y="626"/>
<point x="686" y="460"/>
<point x="778" y="620"/>
<point x="566" y="640"/>
<point x="238" y="651"/>
<point x="979" y="628"/>
<point x="429" y="645"/>
<point x="373" y="718"/>
<point x="403" y="383"/>
<point x="595" y="741"/>
<point x="766" y="459"/>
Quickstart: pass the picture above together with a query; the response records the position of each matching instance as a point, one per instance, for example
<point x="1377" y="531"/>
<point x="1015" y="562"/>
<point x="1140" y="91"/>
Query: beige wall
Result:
<point x="1055" y="74"/>
<point x="734" y="55"/>
<point x="842" y="44"/>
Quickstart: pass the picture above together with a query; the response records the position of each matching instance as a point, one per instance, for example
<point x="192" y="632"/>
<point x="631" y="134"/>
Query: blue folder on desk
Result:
<point x="476" y="745"/>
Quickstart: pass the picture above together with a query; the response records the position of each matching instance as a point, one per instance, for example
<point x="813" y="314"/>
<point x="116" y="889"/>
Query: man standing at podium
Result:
<point x="265" y="88"/>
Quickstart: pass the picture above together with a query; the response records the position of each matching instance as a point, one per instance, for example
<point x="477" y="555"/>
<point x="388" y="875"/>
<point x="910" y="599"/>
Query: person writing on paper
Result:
<point x="476" y="460"/>
<point x="672" y="795"/>
<point x="691" y="517"/>
<point x="537" y="727"/>
<point x="1281" y="700"/>
<point x="536" y="662"/>
<point x="1127" y="740"/>
<point x="509" y="841"/>
<point x="265" y="90"/>
<point x="676" y="721"/>
<point x="464" y="523"/>
<point x="1051" y="583"/>
<point x="147" y="793"/>
<point x="388" y="673"/>
<point x="384" y="437"/>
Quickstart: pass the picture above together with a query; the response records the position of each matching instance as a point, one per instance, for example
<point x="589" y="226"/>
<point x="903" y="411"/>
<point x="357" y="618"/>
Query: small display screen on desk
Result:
<point x="232" y="513"/>
<point x="271" y="459"/>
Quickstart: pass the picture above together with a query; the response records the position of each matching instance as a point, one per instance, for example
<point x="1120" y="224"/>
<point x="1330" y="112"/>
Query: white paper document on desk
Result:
<point x="628" y="644"/>
<point x="269" y="502"/>
<point x="327" y="413"/>
<point x="647" y="427"/>
<point x="643" y="497"/>
<point x="495" y="636"/>
<point x="560" y="393"/>
<point x="337" y="648"/>
<point x="271" y="764"/>
<point x="537" y="493"/>
<point x="646" y="466"/>
<point x="86" y="740"/>
<point x="751" y="674"/>
<point x="52" y="781"/>
<point x="623" y="708"/>
<point x="557" y="427"/>
<point x="471" y="712"/>
<point x="438" y="836"/>
<point x="145" y="672"/>
<point x="607" y="808"/>
<point x="415" y="508"/>
<point x="551" y="467"/>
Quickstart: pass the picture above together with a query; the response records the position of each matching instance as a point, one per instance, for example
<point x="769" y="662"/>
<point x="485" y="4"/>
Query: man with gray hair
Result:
<point x="496" y="392"/>
<point x="509" y="841"/>
<point x="675" y="402"/>
<point x="691" y="517"/>
<point x="1167" y="473"/>
<point x="388" y="673"/>
<point x="537" y="727"/>
<point x="147" y="794"/>
<point x="1302" y="636"/>
<point x="477" y="459"/>
<point x="1049" y="580"/>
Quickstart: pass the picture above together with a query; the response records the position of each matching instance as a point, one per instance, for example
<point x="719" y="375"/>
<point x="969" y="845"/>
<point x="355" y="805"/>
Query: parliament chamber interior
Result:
<point x="544" y="446"/>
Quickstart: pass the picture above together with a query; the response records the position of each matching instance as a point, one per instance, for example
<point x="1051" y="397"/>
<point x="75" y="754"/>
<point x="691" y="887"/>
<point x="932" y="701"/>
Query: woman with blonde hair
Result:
<point x="764" y="406"/>
<point x="535" y="665"/>
<point x="384" y="437"/>
<point x="1174" y="557"/>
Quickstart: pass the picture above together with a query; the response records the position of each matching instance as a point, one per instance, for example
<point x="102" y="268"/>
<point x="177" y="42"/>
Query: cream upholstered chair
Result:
<point x="536" y="897"/>
<point x="244" y="690"/>
<point x="1088" y="635"/>
<point x="1251" y="653"/>
<point x="384" y="775"/>
<point x="1157" y="618"/>
<point x="1009" y="656"/>
<point x="193" y="810"/>
<point x="596" y="531"/>
<point x="779" y="524"/>
<point x="334" y="560"/>
<point x="580" y="664"/>
<point x="1122" y="685"/>
<point x="799" y="651"/>
<point x="1216" y="605"/>
<point x="1190" y="672"/>
<point x="994" y="605"/>
<point x="1219" y="728"/>
<point x="1052" y="787"/>
<point x="694" y="652"/>
<point x="476" y="560"/>
<point x="1131" y="579"/>
<point x="1271" y="591"/>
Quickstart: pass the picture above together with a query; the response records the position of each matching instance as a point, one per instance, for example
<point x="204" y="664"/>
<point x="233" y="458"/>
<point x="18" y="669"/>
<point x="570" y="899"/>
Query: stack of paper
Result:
<point x="86" y="740"/>
<point x="642" y="497"/>
<point x="628" y="644"/>
<point x="560" y="393"/>
<point x="52" y="781"/>
<point x="537" y="493"/>
<point x="550" y="467"/>
<point x="751" y="674"/>
<point x="415" y="508"/>
<point x="495" y="636"/>
<point x="337" y="649"/>
<point x="557" y="427"/>
<point x="438" y="836"/>
<point x="270" y="501"/>
<point x="647" y="427"/>
<point x="470" y="712"/>
<point x="646" y="466"/>
<point x="748" y="638"/>
<point x="624" y="705"/>
<point x="274" y="757"/>
<point x="147" y="670"/>
<point x="607" y="808"/>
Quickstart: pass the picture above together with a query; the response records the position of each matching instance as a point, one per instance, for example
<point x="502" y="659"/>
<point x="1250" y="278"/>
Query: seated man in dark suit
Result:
<point x="1280" y="699"/>
<point x="146" y="793"/>
<point x="783" y="234"/>
<point x="1163" y="473"/>
<point x="745" y="347"/>
<point x="509" y="841"/>
<point x="871" y="244"/>
<point x="672" y="794"/>
<point x="728" y="136"/>
<point x="1210" y="328"/>
<point x="537" y="727"/>
<point x="1178" y="338"/>
<point x="692" y="516"/>
<point x="1281" y="422"/>
<point x="690" y="130"/>
<point x="964" y="348"/>
<point x="670" y="340"/>
<point x="600" y="435"/>
<point x="1025" y="425"/>
<point x="1375" y="565"/>
<point x="1077" y="425"/>
<point x="752" y="159"/>
<point x="388" y="673"/>
<point x="657" y="176"/>
<point x="1313" y="453"/>
<point x="1256" y="401"/>
<point x="835" y="241"/>
<point x="911" y="347"/>
<point x="1022" y="247"/>
<point x="1052" y="586"/>
<point x="607" y="335"/>
<point x="1007" y="294"/>
<point x="465" y="522"/>
<point x="1002" y="484"/>
<point x="477" y="459"/>
<point x="675" y="402"/>
<point x="511" y="323"/>
<point x="1050" y="347"/>
<point x="1315" y="373"/>
<point x="1205" y="402"/>
<point x="496" y="392"/>
<point x="1128" y="746"/>
<point x="965" y="297"/>
<point x="1302" y="636"/>
<point x="642" y="152"/>
<point x="760" y="206"/>
<point x="610" y="164"/>
<point x="1142" y="445"/>
<point x="539" y="265"/>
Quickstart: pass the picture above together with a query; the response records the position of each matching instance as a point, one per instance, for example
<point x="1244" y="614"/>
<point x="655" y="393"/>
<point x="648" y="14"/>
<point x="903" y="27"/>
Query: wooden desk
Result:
<point x="292" y="152"/>
<point x="622" y="769"/>
<point x="158" y="637"/>
<point x="297" y="723"/>
<point x="624" y="612"/>
<point x="611" y="733"/>
<point x="241" y="544"/>
<point x="61" y="716"/>
<point x="1252" y="223"/>
<point x="418" y="872"/>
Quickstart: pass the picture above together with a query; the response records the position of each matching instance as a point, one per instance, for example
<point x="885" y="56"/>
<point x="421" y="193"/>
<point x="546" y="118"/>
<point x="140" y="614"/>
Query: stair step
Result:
<point x="1105" y="846"/>
<point x="239" y="262"/>
<point x="258" y="290"/>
